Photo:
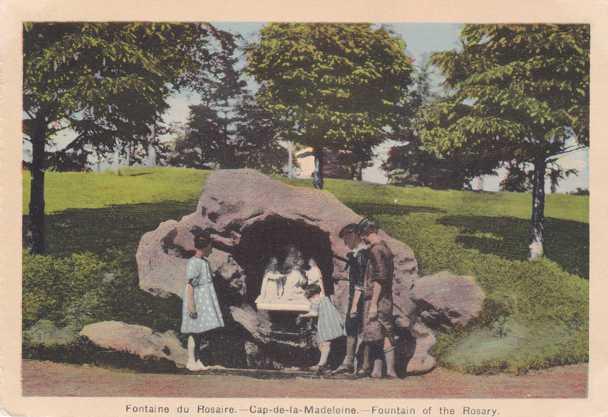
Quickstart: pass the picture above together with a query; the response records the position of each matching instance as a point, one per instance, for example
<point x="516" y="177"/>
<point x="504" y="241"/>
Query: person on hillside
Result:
<point x="378" y="327"/>
<point x="356" y="264"/>
<point x="330" y="325"/>
<point x="201" y="310"/>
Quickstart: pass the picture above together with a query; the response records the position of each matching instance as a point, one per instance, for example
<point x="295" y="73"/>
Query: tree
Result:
<point x="105" y="82"/>
<point x="250" y="141"/>
<point x="332" y="86"/>
<point x="518" y="93"/>
<point x="520" y="179"/>
<point x="258" y="139"/>
<point x="206" y="142"/>
<point x="411" y="163"/>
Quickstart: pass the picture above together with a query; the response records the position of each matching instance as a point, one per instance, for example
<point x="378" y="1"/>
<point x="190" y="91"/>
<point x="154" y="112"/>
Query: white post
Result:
<point x="116" y="159"/>
<point x="290" y="160"/>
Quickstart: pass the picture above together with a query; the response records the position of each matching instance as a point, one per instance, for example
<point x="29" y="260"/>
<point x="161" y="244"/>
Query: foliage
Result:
<point x="257" y="138"/>
<point x="520" y="179"/>
<point x="73" y="291"/>
<point x="44" y="332"/>
<point x="334" y="86"/>
<point x="580" y="191"/>
<point x="244" y="139"/>
<point x="108" y="81"/>
<point x="228" y="129"/>
<point x="519" y="90"/>
<point x="52" y="287"/>
<point x="536" y="314"/>
<point x="411" y="163"/>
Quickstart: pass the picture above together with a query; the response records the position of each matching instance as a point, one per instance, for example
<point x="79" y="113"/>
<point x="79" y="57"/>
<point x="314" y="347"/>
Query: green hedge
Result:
<point x="63" y="294"/>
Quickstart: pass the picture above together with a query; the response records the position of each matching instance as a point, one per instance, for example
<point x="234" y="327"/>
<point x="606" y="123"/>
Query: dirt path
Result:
<point x="57" y="379"/>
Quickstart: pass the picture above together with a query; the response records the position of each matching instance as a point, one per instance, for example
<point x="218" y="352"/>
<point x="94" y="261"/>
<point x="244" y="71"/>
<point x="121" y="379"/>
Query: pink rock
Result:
<point x="137" y="340"/>
<point x="253" y="215"/>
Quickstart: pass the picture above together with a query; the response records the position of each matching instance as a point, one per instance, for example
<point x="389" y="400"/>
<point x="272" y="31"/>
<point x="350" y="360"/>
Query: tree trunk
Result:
<point x="317" y="175"/>
<point x="37" y="220"/>
<point x="538" y="209"/>
<point x="359" y="171"/>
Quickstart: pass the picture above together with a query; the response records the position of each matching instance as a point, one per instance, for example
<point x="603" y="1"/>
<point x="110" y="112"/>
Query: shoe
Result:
<point x="324" y="370"/>
<point x="343" y="369"/>
<point x="363" y="373"/>
<point x="196" y="366"/>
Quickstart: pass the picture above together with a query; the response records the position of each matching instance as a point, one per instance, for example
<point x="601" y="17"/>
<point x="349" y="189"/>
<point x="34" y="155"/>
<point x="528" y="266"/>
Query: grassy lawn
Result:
<point x="536" y="314"/>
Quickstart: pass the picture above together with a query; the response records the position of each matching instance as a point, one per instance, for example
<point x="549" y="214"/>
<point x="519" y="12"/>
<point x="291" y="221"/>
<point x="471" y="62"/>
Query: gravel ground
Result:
<point x="41" y="378"/>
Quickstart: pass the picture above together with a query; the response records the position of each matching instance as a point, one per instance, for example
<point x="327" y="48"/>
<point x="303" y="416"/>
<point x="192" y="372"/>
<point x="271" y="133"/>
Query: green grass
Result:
<point x="536" y="313"/>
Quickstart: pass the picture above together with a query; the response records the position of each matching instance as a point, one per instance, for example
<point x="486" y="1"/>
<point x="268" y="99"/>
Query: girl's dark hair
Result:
<point x="202" y="240"/>
<point x="311" y="290"/>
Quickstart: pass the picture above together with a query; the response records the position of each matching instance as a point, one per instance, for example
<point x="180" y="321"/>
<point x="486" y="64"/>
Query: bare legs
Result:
<point x="389" y="356"/>
<point x="381" y="354"/>
<point x="194" y="347"/>
<point x="324" y="348"/>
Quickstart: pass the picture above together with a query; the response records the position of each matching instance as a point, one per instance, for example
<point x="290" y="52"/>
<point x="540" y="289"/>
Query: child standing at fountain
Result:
<point x="201" y="309"/>
<point x="330" y="325"/>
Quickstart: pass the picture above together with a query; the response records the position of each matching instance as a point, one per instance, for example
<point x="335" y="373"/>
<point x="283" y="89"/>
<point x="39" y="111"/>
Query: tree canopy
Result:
<point x="333" y="86"/>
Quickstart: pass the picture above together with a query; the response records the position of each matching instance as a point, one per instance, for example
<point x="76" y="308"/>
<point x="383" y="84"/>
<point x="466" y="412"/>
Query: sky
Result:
<point x="421" y="39"/>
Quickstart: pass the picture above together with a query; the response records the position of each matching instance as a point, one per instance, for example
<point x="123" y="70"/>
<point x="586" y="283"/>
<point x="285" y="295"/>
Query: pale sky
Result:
<point x="421" y="39"/>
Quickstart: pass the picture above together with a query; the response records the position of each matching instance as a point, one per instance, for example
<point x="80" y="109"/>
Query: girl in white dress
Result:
<point x="201" y="309"/>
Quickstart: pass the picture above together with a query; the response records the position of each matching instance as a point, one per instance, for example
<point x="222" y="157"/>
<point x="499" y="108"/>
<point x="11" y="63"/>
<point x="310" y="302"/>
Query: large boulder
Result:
<point x="254" y="217"/>
<point x="447" y="299"/>
<point x="139" y="341"/>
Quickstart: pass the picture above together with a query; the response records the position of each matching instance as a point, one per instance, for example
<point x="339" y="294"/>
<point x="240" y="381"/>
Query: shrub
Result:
<point x="52" y="285"/>
<point x="85" y="288"/>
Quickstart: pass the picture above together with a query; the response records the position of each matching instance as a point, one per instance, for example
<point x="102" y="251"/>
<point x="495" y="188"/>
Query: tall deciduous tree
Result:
<point x="411" y="163"/>
<point x="106" y="82"/>
<point x="332" y="86"/>
<point x="520" y="93"/>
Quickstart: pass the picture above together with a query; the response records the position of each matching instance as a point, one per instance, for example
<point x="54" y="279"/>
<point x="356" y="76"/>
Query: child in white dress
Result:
<point x="201" y="309"/>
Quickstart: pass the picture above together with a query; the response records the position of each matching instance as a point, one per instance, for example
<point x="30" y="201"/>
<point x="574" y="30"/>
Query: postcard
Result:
<point x="311" y="209"/>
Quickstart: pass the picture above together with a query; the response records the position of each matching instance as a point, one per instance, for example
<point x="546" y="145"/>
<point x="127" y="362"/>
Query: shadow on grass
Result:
<point x="117" y="227"/>
<point x="391" y="209"/>
<point x="566" y="241"/>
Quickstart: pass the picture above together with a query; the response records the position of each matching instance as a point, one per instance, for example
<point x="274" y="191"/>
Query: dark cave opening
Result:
<point x="271" y="238"/>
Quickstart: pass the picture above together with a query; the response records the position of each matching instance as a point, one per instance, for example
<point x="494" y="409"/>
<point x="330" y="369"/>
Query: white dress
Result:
<point x="293" y="283"/>
<point x="314" y="276"/>
<point x="209" y="315"/>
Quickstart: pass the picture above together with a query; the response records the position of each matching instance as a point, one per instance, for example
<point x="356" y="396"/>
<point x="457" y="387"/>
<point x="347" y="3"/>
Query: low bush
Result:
<point x="63" y="294"/>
